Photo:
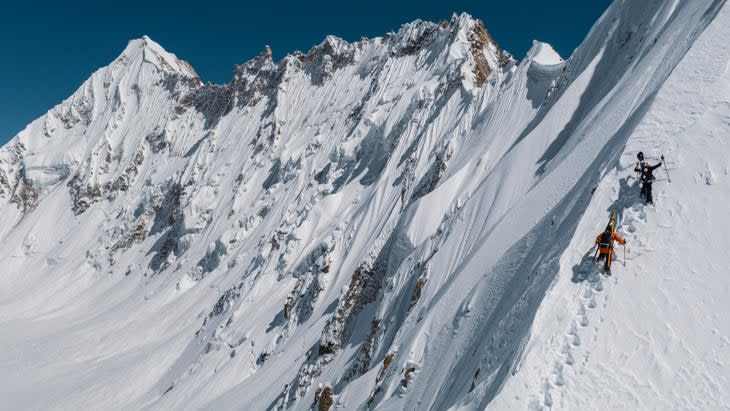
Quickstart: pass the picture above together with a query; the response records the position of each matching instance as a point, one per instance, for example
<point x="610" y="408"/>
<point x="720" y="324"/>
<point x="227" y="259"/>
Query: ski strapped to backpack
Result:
<point x="610" y="230"/>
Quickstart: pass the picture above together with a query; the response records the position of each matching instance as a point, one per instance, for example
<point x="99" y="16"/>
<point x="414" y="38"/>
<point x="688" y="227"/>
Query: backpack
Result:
<point x="606" y="239"/>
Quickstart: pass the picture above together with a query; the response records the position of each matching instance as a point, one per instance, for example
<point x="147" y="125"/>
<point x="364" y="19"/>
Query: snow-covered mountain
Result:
<point x="404" y="222"/>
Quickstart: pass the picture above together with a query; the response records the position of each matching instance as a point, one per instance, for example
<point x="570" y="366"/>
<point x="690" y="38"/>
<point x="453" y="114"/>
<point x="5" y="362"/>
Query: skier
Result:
<point x="604" y="241"/>
<point x="646" y="175"/>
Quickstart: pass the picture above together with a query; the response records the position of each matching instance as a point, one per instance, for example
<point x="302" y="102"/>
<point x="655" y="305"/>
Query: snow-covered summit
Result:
<point x="145" y="50"/>
<point x="401" y="222"/>
<point x="544" y="54"/>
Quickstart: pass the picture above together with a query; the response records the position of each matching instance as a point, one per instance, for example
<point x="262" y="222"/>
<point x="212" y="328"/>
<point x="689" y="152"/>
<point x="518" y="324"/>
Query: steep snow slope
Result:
<point x="366" y="225"/>
<point x="656" y="336"/>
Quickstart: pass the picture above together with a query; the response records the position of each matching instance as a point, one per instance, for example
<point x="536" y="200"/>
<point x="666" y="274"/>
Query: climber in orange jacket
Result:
<point x="604" y="241"/>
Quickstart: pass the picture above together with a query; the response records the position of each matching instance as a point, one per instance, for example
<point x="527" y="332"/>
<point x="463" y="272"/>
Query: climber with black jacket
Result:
<point x="604" y="241"/>
<point x="646" y="176"/>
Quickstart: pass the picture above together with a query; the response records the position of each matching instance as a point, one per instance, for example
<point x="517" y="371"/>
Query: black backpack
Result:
<point x="646" y="174"/>
<point x="606" y="239"/>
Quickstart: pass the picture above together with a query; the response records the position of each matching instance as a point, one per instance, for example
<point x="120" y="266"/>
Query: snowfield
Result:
<point x="405" y="222"/>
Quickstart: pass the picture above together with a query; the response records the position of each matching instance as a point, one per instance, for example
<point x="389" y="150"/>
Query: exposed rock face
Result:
<point x="480" y="39"/>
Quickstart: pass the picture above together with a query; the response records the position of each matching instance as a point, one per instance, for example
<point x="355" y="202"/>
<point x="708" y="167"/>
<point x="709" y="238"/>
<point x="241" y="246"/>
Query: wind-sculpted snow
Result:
<point x="376" y="224"/>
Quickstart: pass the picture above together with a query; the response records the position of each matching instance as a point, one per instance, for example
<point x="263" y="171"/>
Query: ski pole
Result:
<point x="624" y="255"/>
<point x="666" y="170"/>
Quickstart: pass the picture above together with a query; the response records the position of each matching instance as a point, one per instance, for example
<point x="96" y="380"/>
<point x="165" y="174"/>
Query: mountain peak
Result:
<point x="146" y="50"/>
<point x="544" y="53"/>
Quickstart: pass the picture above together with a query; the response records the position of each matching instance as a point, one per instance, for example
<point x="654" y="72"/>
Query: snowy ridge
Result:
<point x="397" y="223"/>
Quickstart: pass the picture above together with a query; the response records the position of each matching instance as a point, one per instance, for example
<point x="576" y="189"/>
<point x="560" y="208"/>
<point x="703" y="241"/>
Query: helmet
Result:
<point x="640" y="156"/>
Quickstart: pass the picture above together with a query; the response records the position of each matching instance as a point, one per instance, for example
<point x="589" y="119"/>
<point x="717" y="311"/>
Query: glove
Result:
<point x="662" y="157"/>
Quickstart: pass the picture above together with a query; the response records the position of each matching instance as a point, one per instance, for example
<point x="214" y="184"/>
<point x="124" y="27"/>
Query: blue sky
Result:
<point x="47" y="49"/>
